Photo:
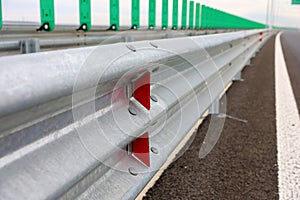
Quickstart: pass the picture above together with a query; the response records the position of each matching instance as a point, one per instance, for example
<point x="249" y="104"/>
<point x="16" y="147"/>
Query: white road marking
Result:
<point x="288" y="130"/>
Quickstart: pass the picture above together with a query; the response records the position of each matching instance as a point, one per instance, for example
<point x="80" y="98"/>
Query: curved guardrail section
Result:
<point x="33" y="42"/>
<point x="98" y="122"/>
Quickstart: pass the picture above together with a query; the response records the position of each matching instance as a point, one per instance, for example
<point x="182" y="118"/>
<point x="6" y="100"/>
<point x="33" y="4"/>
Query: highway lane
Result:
<point x="291" y="49"/>
<point x="287" y="128"/>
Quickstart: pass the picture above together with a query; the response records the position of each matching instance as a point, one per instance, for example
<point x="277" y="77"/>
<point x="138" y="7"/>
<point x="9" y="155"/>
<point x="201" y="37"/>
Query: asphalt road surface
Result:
<point x="287" y="114"/>
<point x="291" y="49"/>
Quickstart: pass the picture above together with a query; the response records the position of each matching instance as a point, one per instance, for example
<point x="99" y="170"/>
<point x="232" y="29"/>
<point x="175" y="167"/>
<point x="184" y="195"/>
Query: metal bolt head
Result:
<point x="154" y="150"/>
<point x="155" y="69"/>
<point x="154" y="98"/>
<point x="132" y="111"/>
<point x="130" y="47"/>
<point x="132" y="171"/>
<point x="154" y="45"/>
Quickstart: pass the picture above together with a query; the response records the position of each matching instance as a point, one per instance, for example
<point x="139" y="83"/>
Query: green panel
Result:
<point x="197" y="15"/>
<point x="175" y="15"/>
<point x="152" y="14"/>
<point x="114" y="15"/>
<point x="165" y="14"/>
<point x="210" y="18"/>
<point x="183" y="14"/>
<point x="0" y="15"/>
<point x="135" y="14"/>
<point x="203" y="17"/>
<point x="85" y="14"/>
<point x="215" y="19"/>
<point x="47" y="15"/>
<point x="294" y="2"/>
<point x="191" y="15"/>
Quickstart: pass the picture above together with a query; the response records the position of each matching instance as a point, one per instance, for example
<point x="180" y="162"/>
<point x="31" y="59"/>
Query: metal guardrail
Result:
<point x="98" y="122"/>
<point x="15" y="40"/>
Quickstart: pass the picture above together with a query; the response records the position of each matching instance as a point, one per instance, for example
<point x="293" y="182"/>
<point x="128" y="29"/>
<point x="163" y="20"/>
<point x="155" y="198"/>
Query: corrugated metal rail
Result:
<point x="24" y="39"/>
<point x="99" y="122"/>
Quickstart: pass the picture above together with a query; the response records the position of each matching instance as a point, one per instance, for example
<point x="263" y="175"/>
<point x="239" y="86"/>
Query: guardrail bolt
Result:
<point x="132" y="111"/>
<point x="155" y="69"/>
<point x="132" y="171"/>
<point x="154" y="150"/>
<point x="130" y="47"/>
<point x="154" y="98"/>
<point x="154" y="45"/>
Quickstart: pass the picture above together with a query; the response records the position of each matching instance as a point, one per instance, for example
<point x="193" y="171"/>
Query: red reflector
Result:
<point x="142" y="90"/>
<point x="140" y="149"/>
<point x="260" y="39"/>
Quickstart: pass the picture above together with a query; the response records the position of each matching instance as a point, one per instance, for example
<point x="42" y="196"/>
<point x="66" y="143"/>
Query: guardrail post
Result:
<point x="183" y="14"/>
<point x="47" y="14"/>
<point x="29" y="46"/>
<point x="170" y="35"/>
<point x="248" y="63"/>
<point x="191" y="15"/>
<point x="128" y="38"/>
<point x="165" y="14"/>
<point x="152" y="14"/>
<point x="85" y="15"/>
<point x="197" y="16"/>
<point x="135" y="14"/>
<point x="238" y="76"/>
<point x="175" y="15"/>
<point x="215" y="107"/>
<point x="114" y="15"/>
<point x="0" y="15"/>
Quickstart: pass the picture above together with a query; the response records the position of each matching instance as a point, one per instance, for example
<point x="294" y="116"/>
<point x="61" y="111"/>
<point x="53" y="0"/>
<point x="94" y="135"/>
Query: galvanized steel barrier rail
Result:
<point x="99" y="122"/>
<point x="15" y="40"/>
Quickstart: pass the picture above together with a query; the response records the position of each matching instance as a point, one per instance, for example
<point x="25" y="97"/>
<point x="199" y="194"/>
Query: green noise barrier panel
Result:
<point x="114" y="15"/>
<point x="183" y="14"/>
<point x="216" y="19"/>
<point x="165" y="14"/>
<point x="203" y="16"/>
<point x="152" y="14"/>
<point x="175" y="15"/>
<point x="135" y="14"/>
<point x="85" y="15"/>
<point x="295" y="2"/>
<point x="197" y="16"/>
<point x="0" y="15"/>
<point x="191" y="15"/>
<point x="47" y="15"/>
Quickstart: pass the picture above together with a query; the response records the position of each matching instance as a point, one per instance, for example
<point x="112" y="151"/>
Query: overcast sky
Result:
<point x="67" y="10"/>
